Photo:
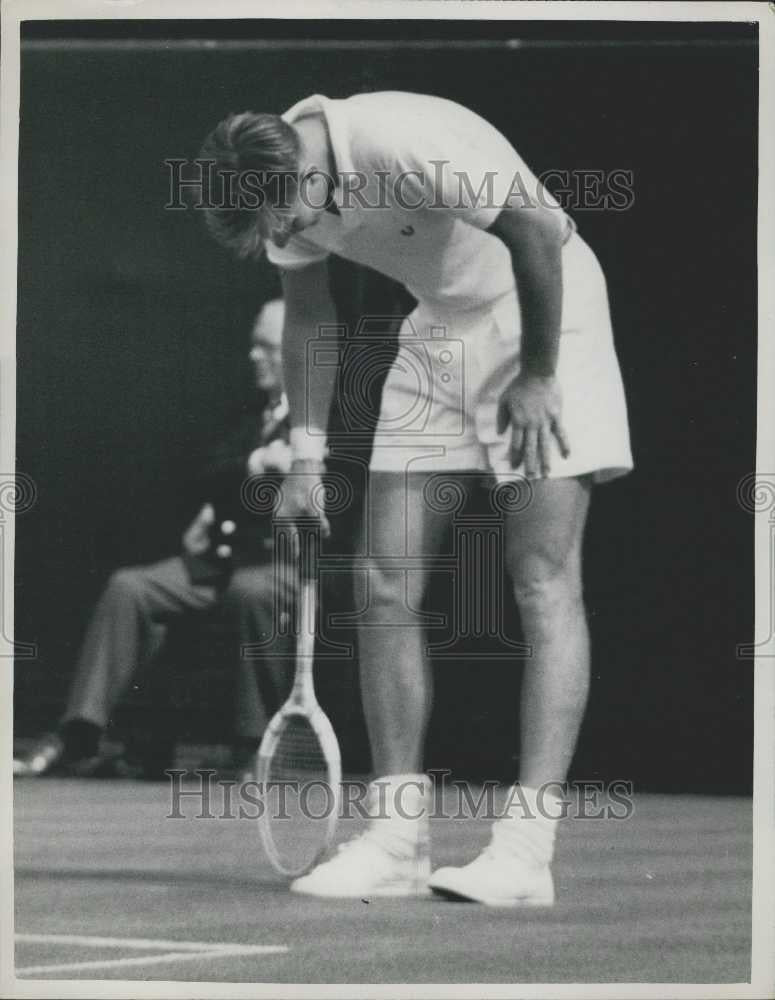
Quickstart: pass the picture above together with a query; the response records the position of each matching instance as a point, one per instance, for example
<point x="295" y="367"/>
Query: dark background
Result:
<point x="132" y="332"/>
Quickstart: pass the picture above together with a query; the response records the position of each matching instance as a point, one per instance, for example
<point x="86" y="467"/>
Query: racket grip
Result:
<point x="308" y="549"/>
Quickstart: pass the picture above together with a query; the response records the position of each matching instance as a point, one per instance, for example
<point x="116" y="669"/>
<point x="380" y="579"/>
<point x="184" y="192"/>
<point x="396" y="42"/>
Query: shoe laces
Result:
<point x="359" y="842"/>
<point x="504" y="845"/>
<point x="490" y="853"/>
<point x="368" y="845"/>
<point x="496" y="846"/>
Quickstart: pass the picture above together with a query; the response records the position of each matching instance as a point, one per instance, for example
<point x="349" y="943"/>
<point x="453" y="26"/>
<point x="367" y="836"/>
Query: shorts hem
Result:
<point x="600" y="473"/>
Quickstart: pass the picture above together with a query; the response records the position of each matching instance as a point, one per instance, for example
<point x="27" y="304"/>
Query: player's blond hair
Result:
<point x="267" y="147"/>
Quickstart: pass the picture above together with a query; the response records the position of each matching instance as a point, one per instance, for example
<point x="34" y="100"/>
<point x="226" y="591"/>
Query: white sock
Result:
<point x="398" y="805"/>
<point x="528" y="827"/>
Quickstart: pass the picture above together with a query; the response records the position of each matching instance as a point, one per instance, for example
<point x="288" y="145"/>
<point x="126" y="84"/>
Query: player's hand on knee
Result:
<point x="532" y="407"/>
<point x="303" y="495"/>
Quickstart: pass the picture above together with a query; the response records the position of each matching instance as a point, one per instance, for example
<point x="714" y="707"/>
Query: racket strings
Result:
<point x="299" y="796"/>
<point x="298" y="753"/>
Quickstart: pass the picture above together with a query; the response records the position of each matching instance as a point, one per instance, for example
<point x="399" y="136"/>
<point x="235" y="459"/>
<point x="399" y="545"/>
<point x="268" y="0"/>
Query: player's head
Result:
<point x="266" y="347"/>
<point x="275" y="188"/>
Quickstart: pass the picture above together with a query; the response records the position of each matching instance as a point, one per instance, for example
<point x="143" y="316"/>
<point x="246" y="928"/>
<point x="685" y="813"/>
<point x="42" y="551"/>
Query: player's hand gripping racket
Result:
<point x="299" y="764"/>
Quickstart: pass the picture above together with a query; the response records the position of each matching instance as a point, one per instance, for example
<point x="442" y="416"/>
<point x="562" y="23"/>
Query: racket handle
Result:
<point x="307" y="619"/>
<point x="309" y="549"/>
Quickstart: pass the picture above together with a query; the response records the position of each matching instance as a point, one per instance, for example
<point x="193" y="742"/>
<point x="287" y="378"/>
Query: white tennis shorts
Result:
<point x="440" y="399"/>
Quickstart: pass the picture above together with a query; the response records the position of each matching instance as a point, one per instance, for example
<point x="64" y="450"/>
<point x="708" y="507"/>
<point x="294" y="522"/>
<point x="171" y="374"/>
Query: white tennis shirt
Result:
<point x="420" y="180"/>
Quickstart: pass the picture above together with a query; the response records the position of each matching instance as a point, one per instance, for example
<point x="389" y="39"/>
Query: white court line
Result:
<point x="169" y="956"/>
<point x="174" y="951"/>
<point x="85" y="941"/>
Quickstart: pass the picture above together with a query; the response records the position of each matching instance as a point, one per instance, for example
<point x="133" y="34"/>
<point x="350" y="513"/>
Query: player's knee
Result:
<point x="541" y="581"/>
<point x="382" y="587"/>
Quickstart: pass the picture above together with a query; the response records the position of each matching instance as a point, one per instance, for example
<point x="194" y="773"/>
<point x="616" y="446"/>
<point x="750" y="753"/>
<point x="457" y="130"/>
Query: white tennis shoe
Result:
<point x="498" y="877"/>
<point x="364" y="867"/>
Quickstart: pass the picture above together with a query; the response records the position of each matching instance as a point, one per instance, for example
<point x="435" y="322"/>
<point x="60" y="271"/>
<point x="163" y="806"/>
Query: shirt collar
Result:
<point x="340" y="144"/>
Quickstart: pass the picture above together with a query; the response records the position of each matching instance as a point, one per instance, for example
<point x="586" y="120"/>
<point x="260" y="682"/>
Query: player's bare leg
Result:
<point x="396" y="681"/>
<point x="392" y="858"/>
<point x="543" y="556"/>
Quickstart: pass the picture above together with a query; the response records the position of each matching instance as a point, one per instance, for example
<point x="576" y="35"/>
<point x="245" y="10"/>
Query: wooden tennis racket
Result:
<point x="299" y="763"/>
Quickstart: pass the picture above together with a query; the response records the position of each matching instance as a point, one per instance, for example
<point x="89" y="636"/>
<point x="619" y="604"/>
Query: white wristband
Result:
<point x="308" y="443"/>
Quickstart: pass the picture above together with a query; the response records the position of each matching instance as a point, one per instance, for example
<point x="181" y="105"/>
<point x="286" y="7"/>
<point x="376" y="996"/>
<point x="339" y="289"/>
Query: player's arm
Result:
<point x="532" y="403"/>
<point x="533" y="236"/>
<point x="310" y="388"/>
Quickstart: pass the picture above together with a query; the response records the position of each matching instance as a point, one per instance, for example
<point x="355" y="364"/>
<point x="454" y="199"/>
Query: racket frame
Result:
<point x="302" y="702"/>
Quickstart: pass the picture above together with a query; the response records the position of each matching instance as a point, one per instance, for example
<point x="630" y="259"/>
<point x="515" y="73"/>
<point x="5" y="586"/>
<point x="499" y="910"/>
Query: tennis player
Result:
<point x="521" y="380"/>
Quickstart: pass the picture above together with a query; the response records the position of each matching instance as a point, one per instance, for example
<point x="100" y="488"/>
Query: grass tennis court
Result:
<point x="108" y="888"/>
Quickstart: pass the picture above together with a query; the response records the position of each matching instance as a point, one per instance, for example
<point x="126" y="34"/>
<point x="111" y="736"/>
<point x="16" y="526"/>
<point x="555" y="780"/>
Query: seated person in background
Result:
<point x="129" y="624"/>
